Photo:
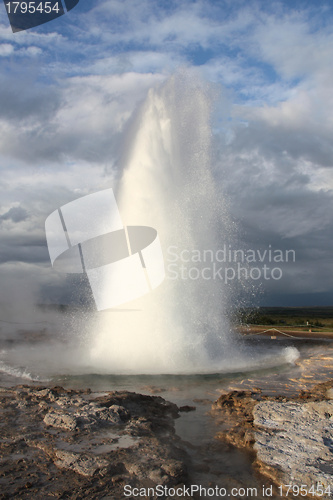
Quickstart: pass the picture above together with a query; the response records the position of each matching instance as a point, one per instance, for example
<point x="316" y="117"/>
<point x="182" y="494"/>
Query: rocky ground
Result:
<point x="67" y="444"/>
<point x="292" y="437"/>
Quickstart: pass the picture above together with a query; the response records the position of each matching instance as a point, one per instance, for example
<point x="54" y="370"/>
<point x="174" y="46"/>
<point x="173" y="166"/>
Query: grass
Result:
<point x="318" y="319"/>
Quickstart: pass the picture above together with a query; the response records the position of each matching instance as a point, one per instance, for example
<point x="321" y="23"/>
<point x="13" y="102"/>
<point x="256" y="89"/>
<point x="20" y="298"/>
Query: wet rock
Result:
<point x="43" y="393"/>
<point x="295" y="440"/>
<point x="292" y="437"/>
<point x="174" y="469"/>
<point x="60" y="420"/>
<point x="74" y="444"/>
<point x="158" y="476"/>
<point x="80" y="463"/>
<point x="160" y="472"/>
<point x="137" y="469"/>
<point x="233" y="411"/>
<point x="187" y="408"/>
<point x="93" y="415"/>
<point x="140" y="426"/>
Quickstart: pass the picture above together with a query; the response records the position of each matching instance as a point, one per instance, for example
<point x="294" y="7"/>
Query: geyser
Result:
<point x="181" y="326"/>
<point x="167" y="183"/>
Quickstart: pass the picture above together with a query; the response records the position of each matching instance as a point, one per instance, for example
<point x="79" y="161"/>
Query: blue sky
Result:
<point x="69" y="87"/>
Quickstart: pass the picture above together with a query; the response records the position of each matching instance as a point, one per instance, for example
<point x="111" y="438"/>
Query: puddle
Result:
<point x="99" y="444"/>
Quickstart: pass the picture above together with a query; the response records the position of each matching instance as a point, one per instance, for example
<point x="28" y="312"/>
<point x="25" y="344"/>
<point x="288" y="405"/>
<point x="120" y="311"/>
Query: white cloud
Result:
<point x="81" y="120"/>
<point x="6" y="49"/>
<point x="294" y="46"/>
<point x="61" y="123"/>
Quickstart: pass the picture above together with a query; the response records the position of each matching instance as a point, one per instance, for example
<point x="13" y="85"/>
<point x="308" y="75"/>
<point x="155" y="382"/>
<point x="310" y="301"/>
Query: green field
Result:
<point x="320" y="318"/>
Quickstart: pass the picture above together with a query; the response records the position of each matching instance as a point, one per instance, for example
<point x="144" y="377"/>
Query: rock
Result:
<point x="117" y="414"/>
<point x="234" y="412"/>
<point x="44" y="393"/>
<point x="137" y="469"/>
<point x="92" y="414"/>
<point x="43" y="405"/>
<point x="65" y="402"/>
<point x="60" y="420"/>
<point x="174" y="469"/>
<point x="74" y="444"/>
<point x="294" y="442"/>
<point x="158" y="476"/>
<point x="292" y="437"/>
<point x="153" y="389"/>
<point x="139" y="427"/>
<point x="160" y="472"/>
<point x="330" y="393"/>
<point x="187" y="408"/>
<point x="76" y="412"/>
<point x="80" y="463"/>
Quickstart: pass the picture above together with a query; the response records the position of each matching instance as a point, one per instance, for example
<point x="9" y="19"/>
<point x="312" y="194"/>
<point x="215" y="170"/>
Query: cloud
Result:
<point x="22" y="101"/>
<point x="15" y="214"/>
<point x="296" y="43"/>
<point x="6" y="49"/>
<point x="81" y="121"/>
<point x="68" y="91"/>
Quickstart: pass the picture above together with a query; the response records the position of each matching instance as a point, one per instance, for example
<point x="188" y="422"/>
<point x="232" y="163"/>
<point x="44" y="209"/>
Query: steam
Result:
<point x="167" y="183"/>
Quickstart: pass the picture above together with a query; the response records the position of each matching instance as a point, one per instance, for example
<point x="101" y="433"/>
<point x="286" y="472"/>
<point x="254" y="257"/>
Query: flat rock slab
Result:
<point x="291" y="435"/>
<point x="80" y="463"/>
<point x="58" y="443"/>
<point x="294" y="441"/>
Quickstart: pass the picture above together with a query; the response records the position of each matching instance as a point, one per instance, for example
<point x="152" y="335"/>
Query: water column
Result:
<point x="167" y="184"/>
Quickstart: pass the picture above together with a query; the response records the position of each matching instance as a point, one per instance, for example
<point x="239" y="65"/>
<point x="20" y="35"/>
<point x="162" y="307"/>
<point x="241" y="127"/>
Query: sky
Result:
<point x="69" y="88"/>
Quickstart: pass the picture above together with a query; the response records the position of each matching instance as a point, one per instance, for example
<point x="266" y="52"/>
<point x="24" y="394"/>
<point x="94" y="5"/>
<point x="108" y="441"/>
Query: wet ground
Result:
<point x="210" y="462"/>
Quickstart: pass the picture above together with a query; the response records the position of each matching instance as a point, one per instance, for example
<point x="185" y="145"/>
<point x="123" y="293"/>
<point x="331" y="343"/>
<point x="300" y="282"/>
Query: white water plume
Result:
<point x="181" y="327"/>
<point x="167" y="184"/>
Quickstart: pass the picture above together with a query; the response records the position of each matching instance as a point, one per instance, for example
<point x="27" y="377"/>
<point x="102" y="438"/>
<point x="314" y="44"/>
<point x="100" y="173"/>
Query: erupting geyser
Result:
<point x="167" y="183"/>
<point x="181" y="326"/>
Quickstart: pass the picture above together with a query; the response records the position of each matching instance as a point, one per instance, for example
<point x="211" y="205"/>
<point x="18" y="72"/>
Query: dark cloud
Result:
<point x="15" y="214"/>
<point x="23" y="248"/>
<point x="63" y="117"/>
<point x="313" y="145"/>
<point x="22" y="98"/>
<point x="277" y="206"/>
